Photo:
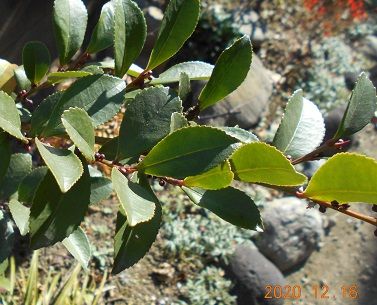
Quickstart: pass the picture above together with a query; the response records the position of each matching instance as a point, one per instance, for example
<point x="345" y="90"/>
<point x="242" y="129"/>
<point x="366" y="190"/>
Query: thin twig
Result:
<point x="314" y="154"/>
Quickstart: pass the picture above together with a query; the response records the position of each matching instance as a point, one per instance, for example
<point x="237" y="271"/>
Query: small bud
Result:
<point x="123" y="170"/>
<point x="322" y="209"/>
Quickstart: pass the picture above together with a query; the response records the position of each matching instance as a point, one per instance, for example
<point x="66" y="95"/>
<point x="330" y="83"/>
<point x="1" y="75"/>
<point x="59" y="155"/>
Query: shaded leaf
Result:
<point x="345" y="177"/>
<point x="177" y="121"/>
<point x="30" y="183"/>
<point x="230" y="204"/>
<point x="130" y="32"/>
<point x="9" y="118"/>
<point x="7" y="236"/>
<point x="42" y="113"/>
<point x="229" y="73"/>
<point x="100" y="189"/>
<point x="131" y="243"/>
<point x="196" y="70"/>
<point x="110" y="148"/>
<point x="302" y="128"/>
<point x="184" y="88"/>
<point x="63" y="163"/>
<point x="20" y="214"/>
<point x="58" y="77"/>
<point x="146" y="121"/>
<point x="138" y="203"/>
<point x="101" y="96"/>
<point x="5" y="153"/>
<point x="79" y="127"/>
<point x="240" y="134"/>
<point x="36" y="60"/>
<point x="19" y="166"/>
<point x="360" y="109"/>
<point x="216" y="178"/>
<point x="103" y="33"/>
<point x="179" y="22"/>
<point x="55" y="215"/>
<point x="77" y="243"/>
<point x="69" y="20"/>
<point x="188" y="151"/>
<point x="261" y="163"/>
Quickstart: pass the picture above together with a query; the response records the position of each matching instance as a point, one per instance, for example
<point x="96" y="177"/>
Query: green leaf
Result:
<point x="20" y="214"/>
<point x="63" y="163"/>
<point x="135" y="70"/>
<point x="261" y="163"/>
<point x="29" y="185"/>
<point x="42" y="113"/>
<point x="184" y="88"/>
<point x="58" y="77"/>
<point x="23" y="82"/>
<point x="109" y="149"/>
<point x="9" y="118"/>
<point x="360" y="109"/>
<point x="230" y="71"/>
<point x="77" y="243"/>
<point x="101" y="189"/>
<point x="345" y="177"/>
<point x="36" y="60"/>
<point x="80" y="129"/>
<point x="137" y="202"/>
<point x="130" y="32"/>
<point x="103" y="33"/>
<point x="7" y="236"/>
<point x="146" y="121"/>
<point x="131" y="243"/>
<point x="180" y="19"/>
<point x="5" y="153"/>
<point x="216" y="178"/>
<point x="19" y="166"/>
<point x="69" y="20"/>
<point x="230" y="204"/>
<point x="302" y="128"/>
<point x="177" y="121"/>
<point x="196" y="70"/>
<point x="240" y="134"/>
<point x="7" y="79"/>
<point x="188" y="151"/>
<point x="101" y="96"/>
<point x="55" y="215"/>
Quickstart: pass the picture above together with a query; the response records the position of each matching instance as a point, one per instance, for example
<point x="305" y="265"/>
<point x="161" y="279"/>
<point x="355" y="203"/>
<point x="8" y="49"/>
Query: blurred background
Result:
<point x="318" y="45"/>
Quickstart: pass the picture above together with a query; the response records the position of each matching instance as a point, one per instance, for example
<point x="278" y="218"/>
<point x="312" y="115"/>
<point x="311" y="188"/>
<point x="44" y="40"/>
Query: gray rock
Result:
<point x="369" y="46"/>
<point x="292" y="232"/>
<point x="251" y="273"/>
<point x="244" y="106"/>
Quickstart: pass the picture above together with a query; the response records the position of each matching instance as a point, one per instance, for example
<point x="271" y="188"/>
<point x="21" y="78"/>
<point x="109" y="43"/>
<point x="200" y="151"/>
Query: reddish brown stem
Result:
<point x="342" y="209"/>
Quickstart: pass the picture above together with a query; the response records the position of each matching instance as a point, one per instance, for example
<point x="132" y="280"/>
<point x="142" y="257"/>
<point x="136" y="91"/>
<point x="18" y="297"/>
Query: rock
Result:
<point x="250" y="25"/>
<point x="292" y="232"/>
<point x="252" y="272"/>
<point x="369" y="46"/>
<point x="244" y="106"/>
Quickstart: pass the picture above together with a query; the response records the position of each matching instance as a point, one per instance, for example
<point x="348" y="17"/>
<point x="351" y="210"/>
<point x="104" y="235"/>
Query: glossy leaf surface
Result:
<point x="229" y="73"/>
<point x="345" y="177"/>
<point x="63" y="163"/>
<point x="188" y="151"/>
<point x="261" y="163"/>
